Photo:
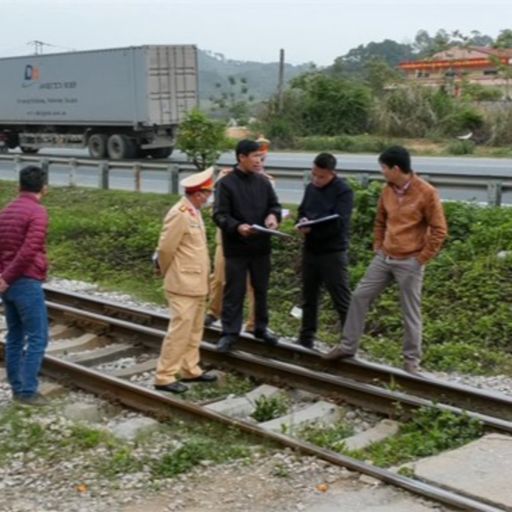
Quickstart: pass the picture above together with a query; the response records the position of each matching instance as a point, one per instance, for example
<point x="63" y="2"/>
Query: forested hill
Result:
<point x="215" y="70"/>
<point x="261" y="77"/>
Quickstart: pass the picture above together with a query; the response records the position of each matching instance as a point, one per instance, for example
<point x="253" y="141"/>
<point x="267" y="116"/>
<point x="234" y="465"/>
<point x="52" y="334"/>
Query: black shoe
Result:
<point x="305" y="342"/>
<point x="267" y="337"/>
<point x="204" y="377"/>
<point x="209" y="319"/>
<point x="226" y="343"/>
<point x="174" y="387"/>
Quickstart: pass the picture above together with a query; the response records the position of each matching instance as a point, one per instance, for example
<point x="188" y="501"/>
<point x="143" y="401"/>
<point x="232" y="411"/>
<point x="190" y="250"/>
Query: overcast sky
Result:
<point x="316" y="31"/>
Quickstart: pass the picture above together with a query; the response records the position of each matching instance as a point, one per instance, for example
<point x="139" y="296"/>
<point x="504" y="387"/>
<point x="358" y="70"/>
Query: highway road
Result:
<point x="422" y="164"/>
<point x="289" y="190"/>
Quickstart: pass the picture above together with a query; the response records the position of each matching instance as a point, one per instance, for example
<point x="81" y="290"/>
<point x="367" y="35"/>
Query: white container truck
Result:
<point x="119" y="103"/>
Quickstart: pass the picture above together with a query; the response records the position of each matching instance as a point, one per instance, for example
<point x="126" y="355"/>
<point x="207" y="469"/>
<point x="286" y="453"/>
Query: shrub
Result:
<point x="499" y="124"/>
<point x="201" y="139"/>
<point x="461" y="147"/>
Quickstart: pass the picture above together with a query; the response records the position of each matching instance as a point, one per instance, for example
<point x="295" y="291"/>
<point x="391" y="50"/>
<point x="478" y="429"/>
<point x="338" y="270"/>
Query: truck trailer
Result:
<point x="120" y="103"/>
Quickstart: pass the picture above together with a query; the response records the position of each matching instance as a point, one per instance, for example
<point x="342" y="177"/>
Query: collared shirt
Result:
<point x="400" y="191"/>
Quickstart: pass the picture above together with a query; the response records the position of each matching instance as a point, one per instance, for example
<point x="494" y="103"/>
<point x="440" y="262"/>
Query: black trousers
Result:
<point x="237" y="268"/>
<point x="331" y="270"/>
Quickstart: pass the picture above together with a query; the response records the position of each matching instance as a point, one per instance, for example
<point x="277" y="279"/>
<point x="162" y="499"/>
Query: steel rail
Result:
<point x="428" y="387"/>
<point x="357" y="393"/>
<point x="161" y="406"/>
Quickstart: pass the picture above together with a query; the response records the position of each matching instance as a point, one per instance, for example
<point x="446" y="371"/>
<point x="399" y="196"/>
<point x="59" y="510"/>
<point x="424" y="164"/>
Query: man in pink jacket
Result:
<point x="23" y="267"/>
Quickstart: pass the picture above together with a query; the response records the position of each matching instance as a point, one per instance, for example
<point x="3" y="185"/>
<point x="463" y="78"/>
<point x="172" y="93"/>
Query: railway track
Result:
<point x="358" y="383"/>
<point x="381" y="386"/>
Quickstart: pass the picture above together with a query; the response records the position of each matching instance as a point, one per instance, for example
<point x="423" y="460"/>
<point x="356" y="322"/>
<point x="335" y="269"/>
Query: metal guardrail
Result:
<point x="495" y="185"/>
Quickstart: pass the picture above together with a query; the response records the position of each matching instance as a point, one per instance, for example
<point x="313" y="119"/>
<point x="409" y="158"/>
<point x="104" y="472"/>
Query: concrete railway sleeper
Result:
<point x="428" y="387"/>
<point x="154" y="403"/>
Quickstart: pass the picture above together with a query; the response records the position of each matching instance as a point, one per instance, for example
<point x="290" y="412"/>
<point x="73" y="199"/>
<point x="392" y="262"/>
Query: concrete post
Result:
<point x="494" y="189"/>
<point x="306" y="178"/>
<point x="72" y="172"/>
<point x="364" y="179"/>
<point x="103" y="175"/>
<point x="173" y="173"/>
<point x="45" y="166"/>
<point x="17" y="166"/>
<point x="136" y="174"/>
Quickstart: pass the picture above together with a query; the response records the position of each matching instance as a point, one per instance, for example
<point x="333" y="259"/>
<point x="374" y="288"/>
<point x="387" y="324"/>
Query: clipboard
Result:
<point x="317" y="221"/>
<point x="267" y="231"/>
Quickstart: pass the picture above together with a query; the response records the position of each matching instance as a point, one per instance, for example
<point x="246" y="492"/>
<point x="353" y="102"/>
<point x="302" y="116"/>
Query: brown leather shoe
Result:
<point x="337" y="353"/>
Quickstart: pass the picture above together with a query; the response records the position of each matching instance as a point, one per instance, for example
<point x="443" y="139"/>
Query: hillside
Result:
<point x="215" y="68"/>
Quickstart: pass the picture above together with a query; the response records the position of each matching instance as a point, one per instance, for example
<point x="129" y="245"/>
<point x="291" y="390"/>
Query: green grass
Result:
<point x="429" y="432"/>
<point x="22" y="431"/>
<point x="327" y="436"/>
<point x="366" y="143"/>
<point x="230" y="384"/>
<point x="107" y="237"/>
<point x="182" y="445"/>
<point x="271" y="407"/>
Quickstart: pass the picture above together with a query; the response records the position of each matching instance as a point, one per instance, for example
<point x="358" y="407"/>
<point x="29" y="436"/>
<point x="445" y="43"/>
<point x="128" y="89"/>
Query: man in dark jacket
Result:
<point x="243" y="198"/>
<point x="324" y="258"/>
<point x="23" y="267"/>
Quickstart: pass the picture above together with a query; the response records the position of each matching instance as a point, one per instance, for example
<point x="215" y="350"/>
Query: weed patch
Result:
<point x="429" y="432"/>
<point x="28" y="437"/>
<point x="327" y="436"/>
<point x="231" y="384"/>
<point x="269" y="408"/>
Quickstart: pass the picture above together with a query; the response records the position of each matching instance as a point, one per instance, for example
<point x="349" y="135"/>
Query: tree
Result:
<point x="201" y="139"/>
<point x="331" y="106"/>
<point x="504" y="39"/>
<point x="236" y="101"/>
<point x="378" y="74"/>
<point x="354" y="62"/>
<point x="426" y="46"/>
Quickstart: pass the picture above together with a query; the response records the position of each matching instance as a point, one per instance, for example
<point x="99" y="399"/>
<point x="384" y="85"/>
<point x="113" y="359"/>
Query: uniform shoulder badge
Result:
<point x="183" y="208"/>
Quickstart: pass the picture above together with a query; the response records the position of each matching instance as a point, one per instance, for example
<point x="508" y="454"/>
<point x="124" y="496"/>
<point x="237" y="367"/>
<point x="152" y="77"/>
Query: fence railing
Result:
<point x="494" y="185"/>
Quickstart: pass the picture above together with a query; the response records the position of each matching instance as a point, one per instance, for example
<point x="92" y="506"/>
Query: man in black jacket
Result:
<point x="325" y="252"/>
<point x="244" y="198"/>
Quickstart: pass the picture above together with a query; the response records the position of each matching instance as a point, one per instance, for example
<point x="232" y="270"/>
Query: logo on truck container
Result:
<point x="31" y="75"/>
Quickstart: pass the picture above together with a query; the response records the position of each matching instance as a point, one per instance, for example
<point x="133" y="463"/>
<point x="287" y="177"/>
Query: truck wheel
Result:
<point x="13" y="140"/>
<point x="120" y="147"/>
<point x="97" y="145"/>
<point x="159" y="153"/>
<point x="28" y="151"/>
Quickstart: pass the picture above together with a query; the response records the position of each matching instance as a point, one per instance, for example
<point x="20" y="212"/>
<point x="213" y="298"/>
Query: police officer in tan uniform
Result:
<point x="183" y="260"/>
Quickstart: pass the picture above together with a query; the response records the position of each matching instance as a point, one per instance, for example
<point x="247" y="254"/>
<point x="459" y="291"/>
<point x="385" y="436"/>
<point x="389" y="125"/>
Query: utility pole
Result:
<point x="280" y="80"/>
<point x="38" y="46"/>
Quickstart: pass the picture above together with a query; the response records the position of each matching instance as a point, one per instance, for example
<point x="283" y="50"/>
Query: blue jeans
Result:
<point x="27" y="334"/>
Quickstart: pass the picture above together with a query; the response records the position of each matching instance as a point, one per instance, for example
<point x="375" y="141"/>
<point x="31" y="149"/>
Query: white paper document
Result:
<point x="268" y="231"/>
<point x="307" y="223"/>
<point x="296" y="312"/>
